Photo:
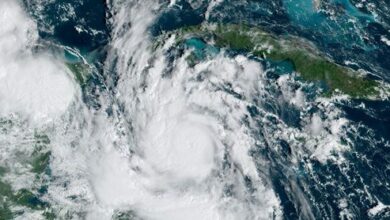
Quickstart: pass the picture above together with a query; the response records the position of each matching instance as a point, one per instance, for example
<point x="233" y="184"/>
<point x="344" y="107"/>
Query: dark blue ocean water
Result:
<point x="341" y="30"/>
<point x="58" y="21"/>
<point x="346" y="33"/>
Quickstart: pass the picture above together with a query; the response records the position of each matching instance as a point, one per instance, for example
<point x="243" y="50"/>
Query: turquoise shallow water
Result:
<point x="334" y="25"/>
<point x="201" y="49"/>
<point x="340" y="30"/>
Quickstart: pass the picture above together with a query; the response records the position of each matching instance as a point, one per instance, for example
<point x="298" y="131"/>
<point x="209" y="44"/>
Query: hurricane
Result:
<point x="192" y="109"/>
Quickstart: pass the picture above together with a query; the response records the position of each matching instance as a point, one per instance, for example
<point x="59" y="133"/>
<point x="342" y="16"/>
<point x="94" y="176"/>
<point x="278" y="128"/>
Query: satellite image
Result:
<point x="195" y="109"/>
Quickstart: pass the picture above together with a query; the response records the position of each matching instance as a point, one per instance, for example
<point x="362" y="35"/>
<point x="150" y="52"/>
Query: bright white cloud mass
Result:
<point x="165" y="124"/>
<point x="34" y="85"/>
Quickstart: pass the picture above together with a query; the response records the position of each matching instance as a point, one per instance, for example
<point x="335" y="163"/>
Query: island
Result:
<point x="305" y="59"/>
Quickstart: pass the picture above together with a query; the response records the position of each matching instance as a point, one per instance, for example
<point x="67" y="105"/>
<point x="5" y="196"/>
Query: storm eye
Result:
<point x="194" y="109"/>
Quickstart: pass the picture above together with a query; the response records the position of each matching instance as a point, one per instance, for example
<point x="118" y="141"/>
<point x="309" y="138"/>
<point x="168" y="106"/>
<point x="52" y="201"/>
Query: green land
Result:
<point x="80" y="70"/>
<point x="306" y="60"/>
<point x="27" y="198"/>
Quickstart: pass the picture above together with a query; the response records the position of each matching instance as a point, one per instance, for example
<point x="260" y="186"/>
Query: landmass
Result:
<point x="305" y="58"/>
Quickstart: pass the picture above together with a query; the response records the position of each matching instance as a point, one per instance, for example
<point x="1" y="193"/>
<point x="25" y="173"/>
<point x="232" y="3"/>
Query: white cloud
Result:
<point x="385" y="40"/>
<point x="33" y="85"/>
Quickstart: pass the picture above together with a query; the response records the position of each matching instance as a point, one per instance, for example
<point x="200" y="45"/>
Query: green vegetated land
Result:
<point x="80" y="70"/>
<point x="15" y="202"/>
<point x="305" y="58"/>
